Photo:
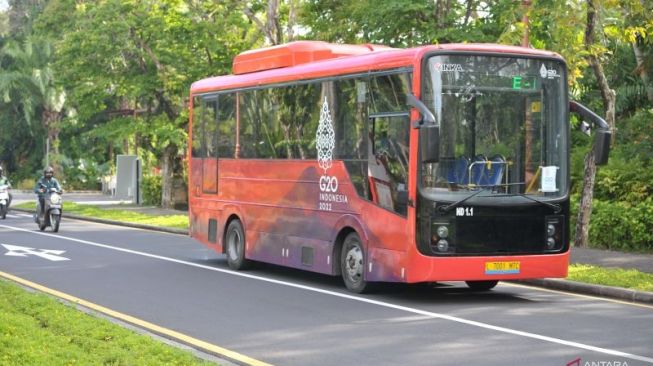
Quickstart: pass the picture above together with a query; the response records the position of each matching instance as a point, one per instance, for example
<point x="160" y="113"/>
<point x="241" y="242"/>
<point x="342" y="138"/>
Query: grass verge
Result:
<point x="624" y="278"/>
<point x="118" y="214"/>
<point x="36" y="329"/>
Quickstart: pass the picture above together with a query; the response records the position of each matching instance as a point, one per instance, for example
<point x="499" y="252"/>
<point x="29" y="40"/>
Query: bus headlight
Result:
<point x="554" y="233"/>
<point x="441" y="241"/>
<point x="550" y="243"/>
<point x="443" y="232"/>
<point x="443" y="245"/>
<point x="550" y="230"/>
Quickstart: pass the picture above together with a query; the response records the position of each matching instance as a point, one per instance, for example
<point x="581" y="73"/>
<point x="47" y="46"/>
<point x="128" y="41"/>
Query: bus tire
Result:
<point x="235" y="246"/>
<point x="481" y="285"/>
<point x="352" y="264"/>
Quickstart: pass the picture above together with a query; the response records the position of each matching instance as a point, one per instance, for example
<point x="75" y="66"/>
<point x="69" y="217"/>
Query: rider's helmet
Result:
<point x="48" y="172"/>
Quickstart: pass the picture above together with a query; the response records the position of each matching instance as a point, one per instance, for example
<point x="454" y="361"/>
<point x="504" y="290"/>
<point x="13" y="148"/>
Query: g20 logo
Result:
<point x="328" y="184"/>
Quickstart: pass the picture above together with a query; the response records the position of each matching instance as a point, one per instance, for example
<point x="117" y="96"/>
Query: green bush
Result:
<point x="151" y="187"/>
<point x="624" y="181"/>
<point x="622" y="226"/>
<point x="83" y="174"/>
<point x="634" y="138"/>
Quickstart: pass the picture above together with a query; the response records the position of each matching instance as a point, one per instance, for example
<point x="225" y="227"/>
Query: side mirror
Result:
<point x="427" y="117"/>
<point x="602" y="141"/>
<point x="429" y="143"/>
<point x="429" y="131"/>
<point x="603" y="135"/>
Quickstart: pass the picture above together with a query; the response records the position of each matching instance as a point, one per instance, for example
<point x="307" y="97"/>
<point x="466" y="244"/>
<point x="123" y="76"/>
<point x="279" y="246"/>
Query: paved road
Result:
<point x="287" y="317"/>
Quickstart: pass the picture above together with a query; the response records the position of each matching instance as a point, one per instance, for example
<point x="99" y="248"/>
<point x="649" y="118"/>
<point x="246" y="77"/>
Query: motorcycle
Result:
<point x="4" y="201"/>
<point x="51" y="213"/>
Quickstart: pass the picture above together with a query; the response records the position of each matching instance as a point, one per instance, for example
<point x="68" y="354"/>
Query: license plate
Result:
<point x="494" y="268"/>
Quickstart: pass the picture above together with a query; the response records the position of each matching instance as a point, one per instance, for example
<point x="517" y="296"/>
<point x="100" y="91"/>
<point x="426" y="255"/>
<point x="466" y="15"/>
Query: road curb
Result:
<point x="118" y="223"/>
<point x="590" y="289"/>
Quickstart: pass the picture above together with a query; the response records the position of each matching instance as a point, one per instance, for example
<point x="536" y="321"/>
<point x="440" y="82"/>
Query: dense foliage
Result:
<point x="151" y="187"/>
<point x="82" y="81"/>
<point x="623" y="207"/>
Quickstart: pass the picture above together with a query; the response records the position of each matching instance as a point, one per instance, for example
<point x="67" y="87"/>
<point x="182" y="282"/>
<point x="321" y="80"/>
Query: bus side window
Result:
<point x="350" y="126"/>
<point x="390" y="139"/>
<point x="209" y="120"/>
<point x="388" y="163"/>
<point x="226" y="126"/>
<point x="197" y="150"/>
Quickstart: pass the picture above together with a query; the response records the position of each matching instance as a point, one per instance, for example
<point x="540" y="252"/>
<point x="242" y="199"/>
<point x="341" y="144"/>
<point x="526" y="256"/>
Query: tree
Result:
<point x="29" y="84"/>
<point x="21" y="15"/>
<point x="634" y="26"/>
<point x="4" y="24"/>
<point x="128" y="65"/>
<point x="404" y="23"/>
<point x="275" y="19"/>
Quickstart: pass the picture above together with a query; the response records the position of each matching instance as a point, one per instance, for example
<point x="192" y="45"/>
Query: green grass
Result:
<point x="625" y="278"/>
<point x="36" y="329"/>
<point x="118" y="214"/>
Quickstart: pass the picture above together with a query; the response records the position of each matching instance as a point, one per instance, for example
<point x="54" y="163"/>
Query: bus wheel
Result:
<point x="235" y="240"/>
<point x="481" y="285"/>
<point x="352" y="264"/>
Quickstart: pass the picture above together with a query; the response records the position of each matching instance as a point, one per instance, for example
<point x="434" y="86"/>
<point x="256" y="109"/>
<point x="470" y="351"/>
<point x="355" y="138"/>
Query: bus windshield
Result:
<point x="503" y="126"/>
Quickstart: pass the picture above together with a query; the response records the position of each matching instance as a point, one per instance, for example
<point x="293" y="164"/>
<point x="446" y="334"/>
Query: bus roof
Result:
<point x="296" y="53"/>
<point x="305" y="60"/>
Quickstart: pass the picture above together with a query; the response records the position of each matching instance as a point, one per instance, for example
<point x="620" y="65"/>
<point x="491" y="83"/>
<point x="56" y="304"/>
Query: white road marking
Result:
<point x="49" y="254"/>
<point x="15" y="216"/>
<point x="407" y="309"/>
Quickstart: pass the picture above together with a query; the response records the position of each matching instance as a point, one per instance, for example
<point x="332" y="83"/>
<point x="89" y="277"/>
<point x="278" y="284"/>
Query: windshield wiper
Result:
<point x="444" y="209"/>
<point x="449" y="207"/>
<point x="556" y="207"/>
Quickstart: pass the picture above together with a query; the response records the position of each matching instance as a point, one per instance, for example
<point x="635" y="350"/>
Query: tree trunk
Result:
<point x="470" y="7"/>
<point x="273" y="22"/>
<point x="288" y="139"/>
<point x="167" y="173"/>
<point x="641" y="70"/>
<point x="299" y="135"/>
<point x="292" y="20"/>
<point x="609" y="101"/>
<point x="585" y="209"/>
<point x="50" y="119"/>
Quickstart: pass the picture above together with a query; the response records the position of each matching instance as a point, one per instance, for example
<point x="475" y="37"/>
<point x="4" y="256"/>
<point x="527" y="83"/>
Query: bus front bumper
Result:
<point x="487" y="268"/>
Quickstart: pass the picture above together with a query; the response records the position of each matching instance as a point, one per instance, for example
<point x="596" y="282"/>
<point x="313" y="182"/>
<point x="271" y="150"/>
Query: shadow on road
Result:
<point x="420" y="293"/>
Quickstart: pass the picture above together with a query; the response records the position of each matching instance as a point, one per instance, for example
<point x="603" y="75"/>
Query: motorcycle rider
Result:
<point x="5" y="181"/>
<point x="43" y="185"/>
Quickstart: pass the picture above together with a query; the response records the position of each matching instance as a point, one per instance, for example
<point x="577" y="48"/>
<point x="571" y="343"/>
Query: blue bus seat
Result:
<point x="458" y="173"/>
<point x="477" y="170"/>
<point x="494" y="171"/>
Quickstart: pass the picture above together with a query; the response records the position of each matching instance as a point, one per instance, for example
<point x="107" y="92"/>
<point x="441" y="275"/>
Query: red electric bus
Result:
<point x="435" y="163"/>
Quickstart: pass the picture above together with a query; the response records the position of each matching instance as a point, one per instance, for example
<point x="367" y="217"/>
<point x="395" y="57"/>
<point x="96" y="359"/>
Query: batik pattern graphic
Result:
<point x="325" y="138"/>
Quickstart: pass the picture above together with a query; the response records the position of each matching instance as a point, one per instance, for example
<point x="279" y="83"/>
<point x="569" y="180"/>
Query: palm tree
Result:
<point x="28" y="83"/>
